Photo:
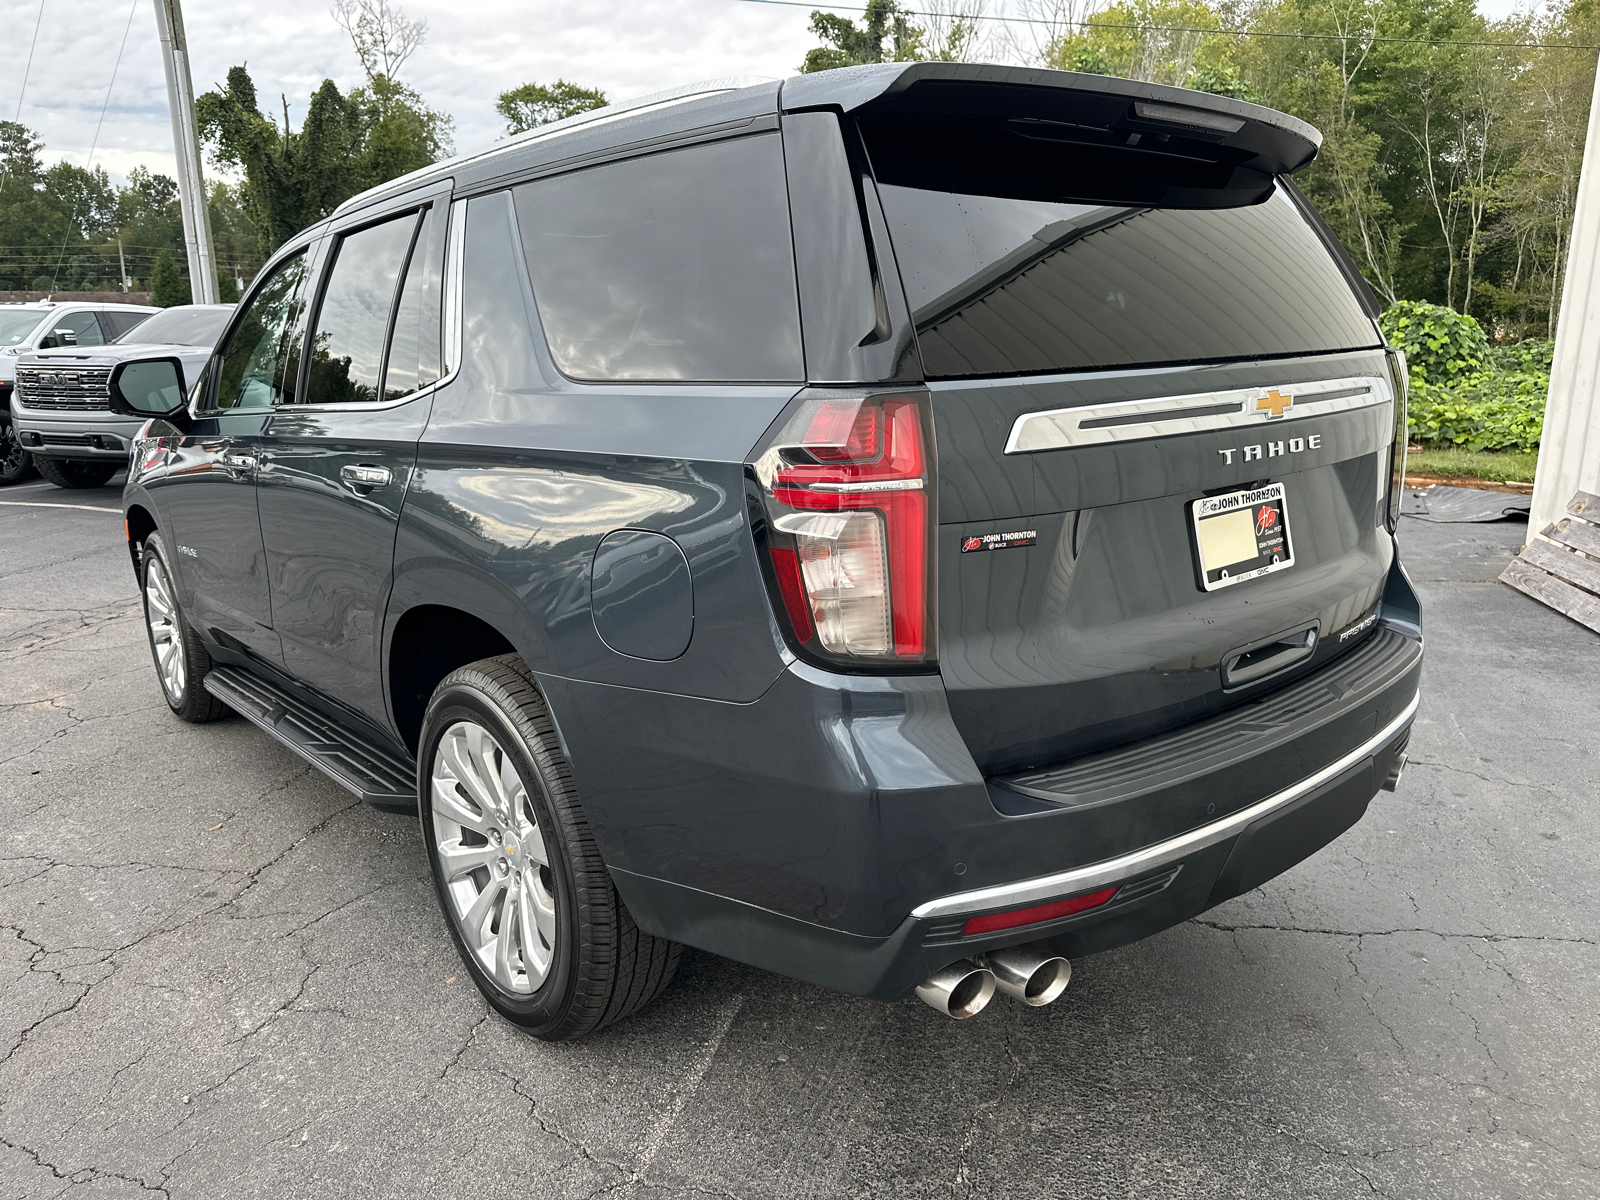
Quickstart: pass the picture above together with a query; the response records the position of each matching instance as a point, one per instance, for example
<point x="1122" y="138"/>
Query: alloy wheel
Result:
<point x="493" y="861"/>
<point x="13" y="458"/>
<point x="166" y="634"/>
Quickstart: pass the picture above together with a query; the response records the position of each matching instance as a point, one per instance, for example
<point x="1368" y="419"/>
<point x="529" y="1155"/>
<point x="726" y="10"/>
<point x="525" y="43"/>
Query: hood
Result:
<point x="192" y="357"/>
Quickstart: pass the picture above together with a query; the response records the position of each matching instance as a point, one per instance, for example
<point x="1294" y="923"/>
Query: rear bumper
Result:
<point x="90" y="435"/>
<point x="838" y="831"/>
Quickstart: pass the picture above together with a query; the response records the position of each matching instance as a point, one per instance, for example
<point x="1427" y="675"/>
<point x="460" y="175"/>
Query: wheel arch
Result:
<point x="442" y="617"/>
<point x="140" y="523"/>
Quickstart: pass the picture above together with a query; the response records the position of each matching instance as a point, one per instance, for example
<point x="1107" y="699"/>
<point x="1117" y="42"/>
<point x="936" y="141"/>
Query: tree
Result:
<point x="167" y="286"/>
<point x="534" y="104"/>
<point x="383" y="36"/>
<point x="851" y="45"/>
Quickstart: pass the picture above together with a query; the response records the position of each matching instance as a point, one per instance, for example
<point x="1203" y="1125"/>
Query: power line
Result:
<point x="95" y="144"/>
<point x="27" y="70"/>
<point x="1304" y="37"/>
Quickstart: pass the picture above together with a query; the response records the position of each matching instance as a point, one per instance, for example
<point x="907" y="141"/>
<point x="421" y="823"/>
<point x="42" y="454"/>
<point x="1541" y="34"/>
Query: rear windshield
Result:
<point x="1002" y="286"/>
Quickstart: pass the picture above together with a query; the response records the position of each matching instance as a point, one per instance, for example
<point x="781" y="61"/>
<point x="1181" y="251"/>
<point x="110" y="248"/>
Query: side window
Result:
<point x="674" y="266"/>
<point x="353" y="321"/>
<point x="414" y="346"/>
<point x="261" y="357"/>
<point x="73" y="329"/>
<point x="115" y="324"/>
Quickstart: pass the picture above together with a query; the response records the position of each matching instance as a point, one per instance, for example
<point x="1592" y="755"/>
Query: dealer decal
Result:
<point x="999" y="541"/>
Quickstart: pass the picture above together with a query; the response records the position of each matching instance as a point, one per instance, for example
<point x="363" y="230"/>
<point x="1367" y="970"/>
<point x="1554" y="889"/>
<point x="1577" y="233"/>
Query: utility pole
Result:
<point x="122" y="265"/>
<point x="186" y="147"/>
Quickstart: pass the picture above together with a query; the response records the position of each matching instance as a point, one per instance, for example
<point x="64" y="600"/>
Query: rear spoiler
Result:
<point x="1064" y="106"/>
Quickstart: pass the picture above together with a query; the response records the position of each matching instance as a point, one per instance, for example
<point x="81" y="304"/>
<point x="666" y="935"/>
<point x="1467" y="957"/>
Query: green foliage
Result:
<point x="1087" y="60"/>
<point x="1440" y="344"/>
<point x="167" y="285"/>
<point x="1223" y="81"/>
<point x="345" y="145"/>
<point x="1533" y="355"/>
<point x="1488" y="411"/>
<point x="534" y="104"/>
<point x="850" y="44"/>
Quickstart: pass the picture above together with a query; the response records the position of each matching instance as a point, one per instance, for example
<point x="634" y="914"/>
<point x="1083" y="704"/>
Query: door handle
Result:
<point x="364" y="476"/>
<point x="245" y="462"/>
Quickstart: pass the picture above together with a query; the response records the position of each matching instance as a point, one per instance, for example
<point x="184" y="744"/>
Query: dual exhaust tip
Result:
<point x="964" y="989"/>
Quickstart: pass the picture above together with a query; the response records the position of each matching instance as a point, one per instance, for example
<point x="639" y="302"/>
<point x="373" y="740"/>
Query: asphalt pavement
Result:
<point x="222" y="977"/>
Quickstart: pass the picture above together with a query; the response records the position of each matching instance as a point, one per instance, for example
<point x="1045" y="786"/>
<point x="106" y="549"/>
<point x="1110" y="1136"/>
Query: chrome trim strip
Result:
<point x="880" y="485"/>
<point x="1113" y="870"/>
<point x="1164" y="416"/>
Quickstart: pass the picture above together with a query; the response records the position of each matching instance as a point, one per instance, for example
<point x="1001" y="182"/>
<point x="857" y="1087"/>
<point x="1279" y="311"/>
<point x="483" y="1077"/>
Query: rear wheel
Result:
<point x="530" y="906"/>
<point x="16" y="464"/>
<point x="72" y="473"/>
<point x="181" y="659"/>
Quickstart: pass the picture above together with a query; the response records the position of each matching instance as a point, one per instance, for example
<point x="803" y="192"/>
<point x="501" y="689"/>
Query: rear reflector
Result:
<point x="1039" y="912"/>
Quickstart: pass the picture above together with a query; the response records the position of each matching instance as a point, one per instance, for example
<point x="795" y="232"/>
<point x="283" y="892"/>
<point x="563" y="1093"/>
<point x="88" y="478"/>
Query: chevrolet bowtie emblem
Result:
<point x="1274" y="402"/>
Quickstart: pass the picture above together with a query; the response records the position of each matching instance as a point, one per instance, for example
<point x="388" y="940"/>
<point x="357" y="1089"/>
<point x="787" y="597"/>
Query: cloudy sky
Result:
<point x="473" y="52"/>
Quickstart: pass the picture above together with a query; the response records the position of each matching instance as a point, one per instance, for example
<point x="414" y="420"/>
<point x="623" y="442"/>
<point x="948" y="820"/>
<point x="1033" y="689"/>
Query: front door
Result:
<point x="336" y="460"/>
<point x="207" y="493"/>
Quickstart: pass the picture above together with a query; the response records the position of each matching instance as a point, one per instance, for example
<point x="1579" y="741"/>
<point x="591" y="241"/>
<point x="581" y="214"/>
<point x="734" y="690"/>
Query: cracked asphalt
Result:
<point x="221" y="977"/>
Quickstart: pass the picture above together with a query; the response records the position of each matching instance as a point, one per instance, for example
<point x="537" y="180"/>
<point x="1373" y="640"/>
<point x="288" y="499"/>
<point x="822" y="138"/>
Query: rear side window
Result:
<point x="676" y="266"/>
<point x="1006" y="286"/>
<point x="116" y="324"/>
<point x="353" y="320"/>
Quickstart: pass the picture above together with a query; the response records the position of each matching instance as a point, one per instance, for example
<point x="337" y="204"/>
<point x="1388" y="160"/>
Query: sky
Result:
<point x="473" y="52"/>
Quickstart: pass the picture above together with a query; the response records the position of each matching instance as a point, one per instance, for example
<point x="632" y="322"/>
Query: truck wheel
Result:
<point x="16" y="464"/>
<point x="72" y="473"/>
<point x="531" y="909"/>
<point x="181" y="660"/>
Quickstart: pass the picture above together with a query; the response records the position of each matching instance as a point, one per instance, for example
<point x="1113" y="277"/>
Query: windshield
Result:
<point x="188" y="325"/>
<point x="16" y="326"/>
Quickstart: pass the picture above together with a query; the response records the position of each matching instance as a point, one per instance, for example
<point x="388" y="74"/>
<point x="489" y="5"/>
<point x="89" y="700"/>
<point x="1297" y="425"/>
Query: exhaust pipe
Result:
<point x="1395" y="772"/>
<point x="1028" y="974"/>
<point x="961" y="990"/>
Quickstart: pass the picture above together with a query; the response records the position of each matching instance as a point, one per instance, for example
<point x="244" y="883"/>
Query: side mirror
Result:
<point x="150" y="387"/>
<point x="59" y="337"/>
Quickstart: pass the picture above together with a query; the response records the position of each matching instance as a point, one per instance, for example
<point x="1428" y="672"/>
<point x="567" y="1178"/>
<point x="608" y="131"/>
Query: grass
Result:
<point x="1496" y="466"/>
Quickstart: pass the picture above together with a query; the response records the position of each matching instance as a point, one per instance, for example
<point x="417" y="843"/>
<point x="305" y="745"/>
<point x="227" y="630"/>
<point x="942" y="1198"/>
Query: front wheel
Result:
<point x="181" y="659"/>
<point x="16" y="464"/>
<point x="531" y="909"/>
<point x="73" y="473"/>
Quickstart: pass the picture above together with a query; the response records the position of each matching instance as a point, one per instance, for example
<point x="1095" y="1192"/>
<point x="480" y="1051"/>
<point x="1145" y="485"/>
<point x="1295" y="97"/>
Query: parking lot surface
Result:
<point x="221" y="976"/>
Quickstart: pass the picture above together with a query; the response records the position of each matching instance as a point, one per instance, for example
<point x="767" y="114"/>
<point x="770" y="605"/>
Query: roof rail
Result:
<point x="676" y="95"/>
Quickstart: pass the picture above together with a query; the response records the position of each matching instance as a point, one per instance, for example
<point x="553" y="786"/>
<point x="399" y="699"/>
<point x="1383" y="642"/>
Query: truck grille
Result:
<point x="81" y="389"/>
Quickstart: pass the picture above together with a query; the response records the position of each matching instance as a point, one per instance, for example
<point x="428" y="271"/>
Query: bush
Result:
<point x="1444" y="346"/>
<point x="1489" y="411"/>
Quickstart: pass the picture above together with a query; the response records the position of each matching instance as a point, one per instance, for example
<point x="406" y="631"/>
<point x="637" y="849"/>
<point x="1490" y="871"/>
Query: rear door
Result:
<point x="337" y="456"/>
<point x="1111" y="360"/>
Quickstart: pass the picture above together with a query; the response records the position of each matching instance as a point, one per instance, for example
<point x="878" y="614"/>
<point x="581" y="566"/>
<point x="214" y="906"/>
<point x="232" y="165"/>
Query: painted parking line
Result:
<point x="41" y="504"/>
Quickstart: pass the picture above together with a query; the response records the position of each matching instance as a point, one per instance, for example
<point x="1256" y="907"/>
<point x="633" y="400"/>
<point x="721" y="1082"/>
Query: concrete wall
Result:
<point x="1569" y="449"/>
<point x="76" y="297"/>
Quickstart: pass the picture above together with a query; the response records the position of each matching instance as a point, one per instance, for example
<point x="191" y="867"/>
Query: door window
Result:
<point x="347" y="349"/>
<point x="674" y="266"/>
<point x="261" y="358"/>
<point x="115" y="324"/>
<point x="73" y="329"/>
<point x="414" y="347"/>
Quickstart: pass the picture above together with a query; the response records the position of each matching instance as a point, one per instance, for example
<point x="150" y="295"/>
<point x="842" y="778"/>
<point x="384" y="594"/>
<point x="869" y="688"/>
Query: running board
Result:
<point x="382" y="778"/>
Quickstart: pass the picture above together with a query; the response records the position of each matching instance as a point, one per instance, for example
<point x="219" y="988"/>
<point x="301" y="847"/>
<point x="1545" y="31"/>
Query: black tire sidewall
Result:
<point x="547" y="1007"/>
<point x="8" y="436"/>
<point x="71" y="473"/>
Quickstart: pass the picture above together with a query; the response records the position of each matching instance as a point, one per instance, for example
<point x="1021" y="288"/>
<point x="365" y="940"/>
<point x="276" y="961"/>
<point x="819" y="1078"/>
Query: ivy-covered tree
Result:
<point x="534" y="104"/>
<point x="850" y="44"/>
<point x="167" y="284"/>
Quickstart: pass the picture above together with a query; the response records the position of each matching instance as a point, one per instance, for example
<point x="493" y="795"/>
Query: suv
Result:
<point x="60" y="406"/>
<point x="903" y="527"/>
<point x="39" y="326"/>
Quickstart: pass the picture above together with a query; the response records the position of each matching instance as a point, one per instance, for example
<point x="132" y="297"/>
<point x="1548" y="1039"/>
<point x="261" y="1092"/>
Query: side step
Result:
<point x="382" y="778"/>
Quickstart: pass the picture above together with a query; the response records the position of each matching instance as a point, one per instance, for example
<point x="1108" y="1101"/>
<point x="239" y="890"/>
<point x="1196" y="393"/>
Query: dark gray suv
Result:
<point x="905" y="527"/>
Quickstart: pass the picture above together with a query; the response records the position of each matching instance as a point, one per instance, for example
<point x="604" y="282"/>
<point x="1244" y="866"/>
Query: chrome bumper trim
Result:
<point x="1114" y="870"/>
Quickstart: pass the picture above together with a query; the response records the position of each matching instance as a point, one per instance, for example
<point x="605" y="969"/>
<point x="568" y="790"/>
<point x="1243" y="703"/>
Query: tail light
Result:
<point x="1400" y="375"/>
<point x="848" y="503"/>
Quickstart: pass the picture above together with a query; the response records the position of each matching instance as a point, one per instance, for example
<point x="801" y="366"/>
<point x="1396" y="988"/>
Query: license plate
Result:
<point x="1242" y="535"/>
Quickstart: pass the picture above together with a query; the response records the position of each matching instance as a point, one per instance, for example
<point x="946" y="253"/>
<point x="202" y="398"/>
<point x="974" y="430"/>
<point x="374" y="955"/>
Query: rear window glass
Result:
<point x="676" y="266"/>
<point x="1003" y="286"/>
<point x="190" y="325"/>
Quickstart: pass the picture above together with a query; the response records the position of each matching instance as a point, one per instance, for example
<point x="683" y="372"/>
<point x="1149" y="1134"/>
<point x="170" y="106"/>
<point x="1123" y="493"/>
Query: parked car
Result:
<point x="904" y="527"/>
<point x="60" y="407"/>
<point x="39" y="326"/>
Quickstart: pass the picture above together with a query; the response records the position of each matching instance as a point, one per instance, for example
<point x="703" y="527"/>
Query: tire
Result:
<point x="181" y="660"/>
<point x="16" y="464"/>
<point x="488" y="748"/>
<point x="74" y="473"/>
